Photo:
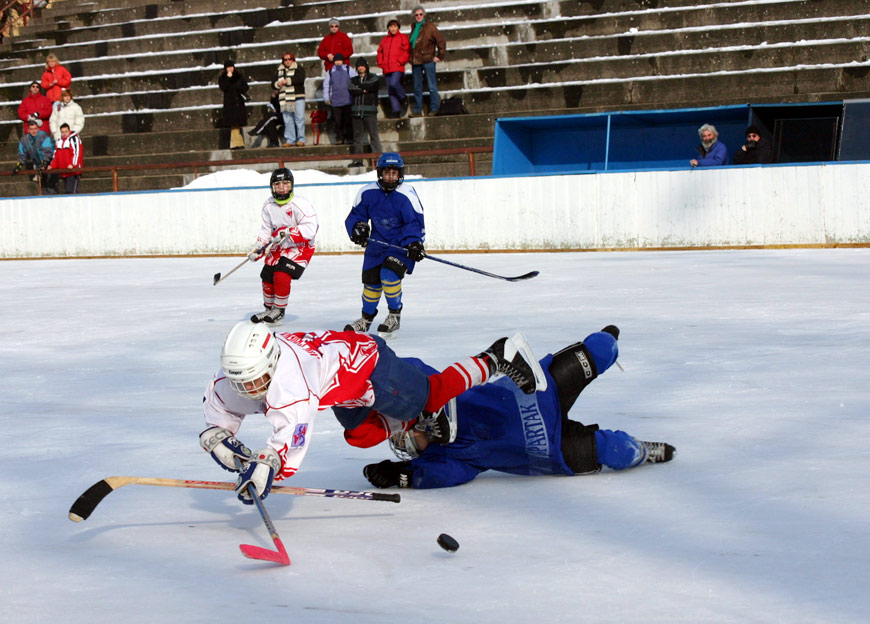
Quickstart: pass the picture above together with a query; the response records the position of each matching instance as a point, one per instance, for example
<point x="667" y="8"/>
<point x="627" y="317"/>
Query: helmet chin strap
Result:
<point x="281" y="202"/>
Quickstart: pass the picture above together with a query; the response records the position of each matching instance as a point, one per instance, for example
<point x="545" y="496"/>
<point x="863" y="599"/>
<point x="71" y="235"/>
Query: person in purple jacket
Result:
<point x="711" y="152"/>
<point x="508" y="431"/>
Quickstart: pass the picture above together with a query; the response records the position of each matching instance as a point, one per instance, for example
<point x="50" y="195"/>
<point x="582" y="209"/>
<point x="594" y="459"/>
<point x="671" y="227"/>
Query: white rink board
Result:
<point x="777" y="205"/>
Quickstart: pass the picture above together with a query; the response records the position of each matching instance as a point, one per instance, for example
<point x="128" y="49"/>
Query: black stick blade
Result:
<point x="87" y="502"/>
<point x="217" y="278"/>
<point x="525" y="276"/>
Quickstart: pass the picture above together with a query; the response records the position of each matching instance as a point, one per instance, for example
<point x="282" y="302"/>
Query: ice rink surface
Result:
<point x="754" y="364"/>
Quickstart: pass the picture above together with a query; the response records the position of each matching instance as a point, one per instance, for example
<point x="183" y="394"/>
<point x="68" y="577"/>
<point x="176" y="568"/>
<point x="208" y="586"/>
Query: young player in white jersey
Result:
<point x="289" y="377"/>
<point x="290" y="223"/>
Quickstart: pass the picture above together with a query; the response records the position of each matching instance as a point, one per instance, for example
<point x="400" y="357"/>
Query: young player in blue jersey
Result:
<point x="500" y="428"/>
<point x="396" y="217"/>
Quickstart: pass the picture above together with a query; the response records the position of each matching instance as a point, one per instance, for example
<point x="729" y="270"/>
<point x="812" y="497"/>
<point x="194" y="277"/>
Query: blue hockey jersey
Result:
<point x="396" y="218"/>
<point x="499" y="428"/>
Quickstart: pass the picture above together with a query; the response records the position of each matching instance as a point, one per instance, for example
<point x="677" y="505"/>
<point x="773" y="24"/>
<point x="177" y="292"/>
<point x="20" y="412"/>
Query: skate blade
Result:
<point x="523" y="345"/>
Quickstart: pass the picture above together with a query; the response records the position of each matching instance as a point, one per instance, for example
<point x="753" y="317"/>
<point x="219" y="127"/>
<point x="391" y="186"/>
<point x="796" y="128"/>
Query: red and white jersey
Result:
<point x="315" y="371"/>
<point x="298" y="219"/>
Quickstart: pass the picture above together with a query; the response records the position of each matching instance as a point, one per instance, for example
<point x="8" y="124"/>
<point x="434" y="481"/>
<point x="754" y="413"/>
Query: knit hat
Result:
<point x="338" y="57"/>
<point x="362" y="62"/>
<point x="229" y="63"/>
<point x="334" y="21"/>
<point x="753" y="130"/>
<point x="35" y="82"/>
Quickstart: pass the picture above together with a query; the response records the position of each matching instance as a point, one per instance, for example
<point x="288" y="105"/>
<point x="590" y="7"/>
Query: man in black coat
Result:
<point x="756" y="150"/>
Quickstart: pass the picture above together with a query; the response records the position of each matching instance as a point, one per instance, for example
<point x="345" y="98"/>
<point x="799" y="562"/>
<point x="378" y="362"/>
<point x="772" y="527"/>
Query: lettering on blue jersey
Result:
<point x="535" y="433"/>
<point x="299" y="435"/>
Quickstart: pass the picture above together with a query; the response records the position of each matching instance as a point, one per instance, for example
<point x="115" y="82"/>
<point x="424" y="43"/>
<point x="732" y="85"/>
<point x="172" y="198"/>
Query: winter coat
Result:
<point x="429" y="44"/>
<point x="37" y="149"/>
<point x="63" y="77"/>
<point x="235" y="113"/>
<point x="69" y="113"/>
<point x="336" y="85"/>
<point x="761" y="154"/>
<point x="716" y="156"/>
<point x="334" y="43"/>
<point x="68" y="152"/>
<point x="293" y="89"/>
<point x="364" y="90"/>
<point x="394" y="52"/>
<point x="38" y="106"/>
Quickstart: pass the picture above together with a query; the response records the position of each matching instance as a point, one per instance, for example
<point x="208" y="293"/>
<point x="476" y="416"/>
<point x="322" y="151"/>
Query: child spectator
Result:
<point x="394" y="52"/>
<point x="55" y="78"/>
<point x="336" y="93"/>
<point x="364" y="89"/>
<point x="66" y="112"/>
<point x="270" y="126"/>
<point x="67" y="155"/>
<point x="35" y="106"/>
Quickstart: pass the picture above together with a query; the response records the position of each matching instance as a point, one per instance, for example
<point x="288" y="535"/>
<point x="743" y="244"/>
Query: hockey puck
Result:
<point x="448" y="543"/>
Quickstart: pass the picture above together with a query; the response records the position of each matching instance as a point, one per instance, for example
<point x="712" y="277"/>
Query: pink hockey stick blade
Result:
<point x="264" y="554"/>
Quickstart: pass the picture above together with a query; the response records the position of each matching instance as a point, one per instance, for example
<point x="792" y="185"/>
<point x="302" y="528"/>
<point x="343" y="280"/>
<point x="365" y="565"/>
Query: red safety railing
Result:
<point x="14" y="13"/>
<point x="280" y="161"/>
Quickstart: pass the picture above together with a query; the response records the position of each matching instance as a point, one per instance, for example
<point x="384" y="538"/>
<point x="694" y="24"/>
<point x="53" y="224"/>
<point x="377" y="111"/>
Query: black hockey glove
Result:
<point x="360" y="233"/>
<point x="416" y="251"/>
<point x="389" y="474"/>
<point x="18" y="168"/>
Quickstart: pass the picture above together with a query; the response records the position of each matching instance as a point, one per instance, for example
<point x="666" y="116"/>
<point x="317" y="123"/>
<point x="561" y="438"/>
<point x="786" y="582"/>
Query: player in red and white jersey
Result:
<point x="290" y="224"/>
<point x="290" y="377"/>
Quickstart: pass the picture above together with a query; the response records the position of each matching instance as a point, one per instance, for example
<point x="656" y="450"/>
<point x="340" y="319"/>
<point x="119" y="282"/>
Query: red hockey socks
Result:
<point x="454" y="380"/>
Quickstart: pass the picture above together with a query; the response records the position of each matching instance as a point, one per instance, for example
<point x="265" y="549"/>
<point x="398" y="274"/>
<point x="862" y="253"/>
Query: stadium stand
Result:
<point x="145" y="71"/>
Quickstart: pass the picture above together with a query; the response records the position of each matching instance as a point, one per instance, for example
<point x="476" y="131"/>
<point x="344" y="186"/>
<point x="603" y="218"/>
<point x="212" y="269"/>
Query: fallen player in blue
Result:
<point x="501" y="428"/>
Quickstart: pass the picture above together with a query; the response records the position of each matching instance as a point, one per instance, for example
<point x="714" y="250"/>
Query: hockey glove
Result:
<point x="389" y="474"/>
<point x="224" y="447"/>
<point x="17" y="168"/>
<point x="259" y="472"/>
<point x="360" y="233"/>
<point x="279" y="235"/>
<point x="256" y="253"/>
<point x="416" y="251"/>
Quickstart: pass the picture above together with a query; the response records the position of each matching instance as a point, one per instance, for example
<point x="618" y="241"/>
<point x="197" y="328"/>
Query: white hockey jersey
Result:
<point x="298" y="219"/>
<point x="315" y="371"/>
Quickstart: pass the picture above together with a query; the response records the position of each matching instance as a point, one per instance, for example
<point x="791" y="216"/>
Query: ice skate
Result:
<point x="260" y="317"/>
<point x="275" y="316"/>
<point x="512" y="357"/>
<point x="362" y="324"/>
<point x="391" y="324"/>
<point x="658" y="452"/>
<point x="441" y="426"/>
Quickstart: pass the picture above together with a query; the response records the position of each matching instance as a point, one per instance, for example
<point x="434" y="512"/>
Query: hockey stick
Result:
<point x="257" y="552"/>
<point x="85" y="504"/>
<point x="517" y="278"/>
<point x="262" y="250"/>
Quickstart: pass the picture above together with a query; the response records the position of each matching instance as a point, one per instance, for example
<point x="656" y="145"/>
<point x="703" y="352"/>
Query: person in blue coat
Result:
<point x="711" y="152"/>
<point x="386" y="215"/>
<point x="508" y="431"/>
<point x="35" y="150"/>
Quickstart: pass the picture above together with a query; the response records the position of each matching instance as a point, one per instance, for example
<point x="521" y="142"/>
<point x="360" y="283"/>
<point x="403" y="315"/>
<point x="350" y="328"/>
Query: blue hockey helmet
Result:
<point x="390" y="160"/>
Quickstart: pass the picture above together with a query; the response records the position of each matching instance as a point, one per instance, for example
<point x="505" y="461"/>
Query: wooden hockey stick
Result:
<point x="85" y="504"/>
<point x="517" y="278"/>
<point x="262" y="250"/>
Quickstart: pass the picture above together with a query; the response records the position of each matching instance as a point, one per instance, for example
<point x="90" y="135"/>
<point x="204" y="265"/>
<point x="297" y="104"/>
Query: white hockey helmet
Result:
<point x="249" y="357"/>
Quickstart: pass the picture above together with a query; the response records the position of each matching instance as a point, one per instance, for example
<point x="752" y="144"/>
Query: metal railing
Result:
<point x="280" y="161"/>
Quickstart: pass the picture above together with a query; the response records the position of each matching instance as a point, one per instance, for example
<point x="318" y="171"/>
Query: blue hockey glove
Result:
<point x="360" y="233"/>
<point x="224" y="447"/>
<point x="416" y="251"/>
<point x="259" y="472"/>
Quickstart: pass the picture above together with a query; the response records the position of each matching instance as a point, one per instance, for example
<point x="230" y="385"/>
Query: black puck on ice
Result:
<point x="448" y="543"/>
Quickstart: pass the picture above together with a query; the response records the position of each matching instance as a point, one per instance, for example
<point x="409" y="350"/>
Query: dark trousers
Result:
<point x="343" y="128"/>
<point x="361" y="127"/>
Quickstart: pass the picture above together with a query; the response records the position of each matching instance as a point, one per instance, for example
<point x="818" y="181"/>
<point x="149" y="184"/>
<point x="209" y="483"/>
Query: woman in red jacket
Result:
<point x="393" y="54"/>
<point x="55" y="79"/>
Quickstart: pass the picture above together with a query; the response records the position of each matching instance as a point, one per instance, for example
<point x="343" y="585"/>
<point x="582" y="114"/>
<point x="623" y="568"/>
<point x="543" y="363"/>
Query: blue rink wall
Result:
<point x="730" y="206"/>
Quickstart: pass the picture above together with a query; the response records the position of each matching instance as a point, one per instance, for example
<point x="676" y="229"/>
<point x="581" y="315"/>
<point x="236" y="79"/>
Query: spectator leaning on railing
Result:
<point x="68" y="154"/>
<point x="711" y="152"/>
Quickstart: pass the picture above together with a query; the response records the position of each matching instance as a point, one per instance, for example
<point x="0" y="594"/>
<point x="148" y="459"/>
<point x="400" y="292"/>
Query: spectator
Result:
<point x="67" y="155"/>
<point x="394" y="52"/>
<point x="270" y="126"/>
<point x="427" y="48"/>
<point x="336" y="93"/>
<point x="235" y="113"/>
<point x="713" y="152"/>
<point x="364" y="89"/>
<point x="35" y="150"/>
<point x="66" y="112"/>
<point x="35" y="106"/>
<point x="756" y="150"/>
<point x="289" y="80"/>
<point x="336" y="42"/>
<point x="55" y="78"/>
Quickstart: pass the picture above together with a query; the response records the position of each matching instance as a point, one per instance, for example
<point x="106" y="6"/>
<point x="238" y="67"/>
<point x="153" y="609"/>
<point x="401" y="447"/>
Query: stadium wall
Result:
<point x="809" y="205"/>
